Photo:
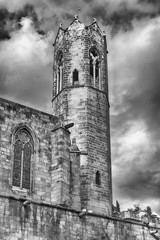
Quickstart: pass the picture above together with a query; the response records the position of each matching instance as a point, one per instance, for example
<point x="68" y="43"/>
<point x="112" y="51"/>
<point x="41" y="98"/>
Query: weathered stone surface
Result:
<point x="15" y="116"/>
<point x="39" y="221"/>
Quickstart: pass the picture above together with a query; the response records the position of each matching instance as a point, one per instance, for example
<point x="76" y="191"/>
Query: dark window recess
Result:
<point x="97" y="70"/>
<point x="59" y="71"/>
<point x="60" y="59"/>
<point x="75" y="76"/>
<point x="98" y="178"/>
<point x="91" y="67"/>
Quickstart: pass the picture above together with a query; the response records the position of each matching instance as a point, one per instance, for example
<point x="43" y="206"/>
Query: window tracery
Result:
<point x="23" y="149"/>
<point x="59" y="71"/>
<point x="95" y="68"/>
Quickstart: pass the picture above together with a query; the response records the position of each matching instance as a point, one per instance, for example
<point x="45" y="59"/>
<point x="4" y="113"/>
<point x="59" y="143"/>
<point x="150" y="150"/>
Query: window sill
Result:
<point x="22" y="192"/>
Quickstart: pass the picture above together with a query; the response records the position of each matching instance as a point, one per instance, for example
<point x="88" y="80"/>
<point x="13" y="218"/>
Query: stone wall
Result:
<point x="12" y="117"/>
<point x="40" y="221"/>
<point x="55" y="171"/>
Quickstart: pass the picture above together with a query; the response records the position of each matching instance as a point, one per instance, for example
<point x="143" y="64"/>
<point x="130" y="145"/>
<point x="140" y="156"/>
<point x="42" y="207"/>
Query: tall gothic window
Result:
<point x="59" y="71"/>
<point x="95" y="68"/>
<point x="23" y="149"/>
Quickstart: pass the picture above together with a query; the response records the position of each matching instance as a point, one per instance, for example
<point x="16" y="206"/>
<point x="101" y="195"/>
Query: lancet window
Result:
<point x="59" y="71"/>
<point x="75" y="76"/>
<point x="98" y="178"/>
<point x="95" y="68"/>
<point x="23" y="150"/>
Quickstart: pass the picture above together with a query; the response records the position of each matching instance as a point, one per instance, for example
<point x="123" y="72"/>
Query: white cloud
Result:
<point x="27" y="58"/>
<point x="13" y="5"/>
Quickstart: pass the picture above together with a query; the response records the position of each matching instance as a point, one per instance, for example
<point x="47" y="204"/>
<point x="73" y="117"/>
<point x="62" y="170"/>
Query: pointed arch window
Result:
<point x="75" y="76"/>
<point x="95" y="68"/>
<point x="59" y="71"/>
<point x="23" y="150"/>
<point x="98" y="178"/>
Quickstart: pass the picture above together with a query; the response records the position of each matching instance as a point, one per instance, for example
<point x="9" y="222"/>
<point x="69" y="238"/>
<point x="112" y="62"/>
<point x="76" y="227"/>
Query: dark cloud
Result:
<point x="141" y="181"/>
<point x="152" y="2"/>
<point x="137" y="102"/>
<point x="144" y="103"/>
<point x="59" y="2"/>
<point x="88" y="1"/>
<point x="99" y="11"/>
<point x="141" y="184"/>
<point x="121" y="19"/>
<point x="4" y="31"/>
<point x="142" y="98"/>
<point x="27" y="11"/>
<point x="67" y="16"/>
<point x="45" y="15"/>
<point x="10" y="21"/>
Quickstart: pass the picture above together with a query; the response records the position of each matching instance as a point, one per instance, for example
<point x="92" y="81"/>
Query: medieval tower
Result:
<point x="80" y="95"/>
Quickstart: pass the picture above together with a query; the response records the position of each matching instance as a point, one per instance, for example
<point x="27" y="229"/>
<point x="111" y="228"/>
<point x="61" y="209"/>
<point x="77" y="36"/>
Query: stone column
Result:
<point x="60" y="165"/>
<point x="75" y="176"/>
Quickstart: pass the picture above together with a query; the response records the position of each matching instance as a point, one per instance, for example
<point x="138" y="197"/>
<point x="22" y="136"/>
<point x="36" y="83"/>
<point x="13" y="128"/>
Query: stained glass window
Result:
<point x="23" y="149"/>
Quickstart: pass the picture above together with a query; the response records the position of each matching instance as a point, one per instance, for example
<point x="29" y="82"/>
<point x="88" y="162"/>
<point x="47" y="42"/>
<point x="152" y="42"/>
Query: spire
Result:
<point x="76" y="17"/>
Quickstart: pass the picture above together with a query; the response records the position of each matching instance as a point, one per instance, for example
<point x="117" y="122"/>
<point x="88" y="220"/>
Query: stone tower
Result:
<point x="80" y="94"/>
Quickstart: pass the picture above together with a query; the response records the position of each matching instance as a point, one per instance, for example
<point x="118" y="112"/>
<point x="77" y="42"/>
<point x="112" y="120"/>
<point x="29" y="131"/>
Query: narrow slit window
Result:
<point x="59" y="72"/>
<point x="75" y="77"/>
<point x="98" y="178"/>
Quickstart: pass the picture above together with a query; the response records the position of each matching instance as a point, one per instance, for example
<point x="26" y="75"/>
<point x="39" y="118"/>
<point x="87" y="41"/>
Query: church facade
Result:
<point x="55" y="170"/>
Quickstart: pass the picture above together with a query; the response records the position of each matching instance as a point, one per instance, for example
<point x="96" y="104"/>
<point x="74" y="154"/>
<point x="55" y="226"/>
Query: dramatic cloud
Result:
<point x="155" y="3"/>
<point x="122" y="15"/>
<point x="26" y="66"/>
<point x="10" y="21"/>
<point x="27" y="30"/>
<point x="135" y="112"/>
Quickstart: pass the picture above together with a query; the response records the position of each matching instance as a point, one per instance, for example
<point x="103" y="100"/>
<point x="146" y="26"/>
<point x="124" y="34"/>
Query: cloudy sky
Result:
<point x="27" y="31"/>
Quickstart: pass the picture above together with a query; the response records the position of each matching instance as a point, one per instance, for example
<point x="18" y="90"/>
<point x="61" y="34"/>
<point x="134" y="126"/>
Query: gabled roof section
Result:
<point x="75" y="22"/>
<point x="79" y="24"/>
<point x="60" y="32"/>
<point x="95" y="25"/>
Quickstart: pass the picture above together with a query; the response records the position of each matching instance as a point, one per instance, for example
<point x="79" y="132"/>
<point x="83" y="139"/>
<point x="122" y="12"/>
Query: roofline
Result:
<point x="97" y="26"/>
<point x="60" y="28"/>
<point x="76" y="19"/>
<point x="24" y="106"/>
